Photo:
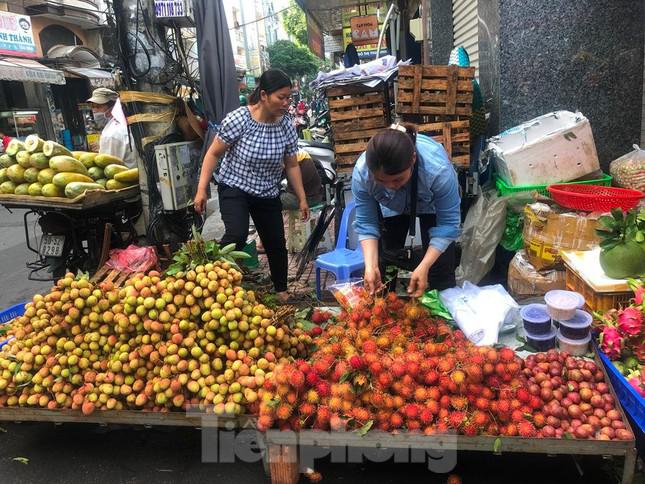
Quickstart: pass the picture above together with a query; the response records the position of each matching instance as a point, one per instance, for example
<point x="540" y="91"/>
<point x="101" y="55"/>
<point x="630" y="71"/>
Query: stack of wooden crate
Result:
<point x="357" y="113"/>
<point x="439" y="100"/>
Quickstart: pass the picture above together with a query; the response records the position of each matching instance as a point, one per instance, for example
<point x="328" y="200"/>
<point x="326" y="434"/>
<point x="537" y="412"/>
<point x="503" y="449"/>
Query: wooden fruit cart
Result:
<point x="282" y="461"/>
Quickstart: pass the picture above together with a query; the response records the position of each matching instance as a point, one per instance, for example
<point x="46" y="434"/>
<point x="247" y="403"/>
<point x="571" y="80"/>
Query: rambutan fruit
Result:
<point x="312" y="396"/>
<point x="396" y="421"/>
<point x="265" y="422"/>
<point x="526" y="429"/>
<point x="420" y="394"/>
<point x="291" y="398"/>
<point x="491" y="355"/>
<point x="506" y="354"/>
<point x="312" y="378"/>
<point x="431" y="377"/>
<point x="511" y="430"/>
<point x="445" y="365"/>
<point x="413" y="425"/>
<point x="492" y="429"/>
<point x="283" y="411"/>
<point x="412" y="368"/>
<point x="539" y="420"/>
<point x="376" y="399"/>
<point x="411" y="411"/>
<point x="322" y="366"/>
<point x="444" y="401"/>
<point x="535" y="402"/>
<point x="384" y="380"/>
<point x="433" y="406"/>
<point x="470" y="429"/>
<point x="500" y="369"/>
<point x="429" y="430"/>
<point x="458" y="402"/>
<point x="433" y="393"/>
<point x="442" y="428"/>
<point x="376" y="367"/>
<point x="340" y="370"/>
<point x="306" y="409"/>
<point x="475" y="374"/>
<point x="523" y="395"/>
<point x="282" y="389"/>
<point x="383" y="426"/>
<point x="361" y="414"/>
<point x="482" y="403"/>
<point x="458" y="377"/>
<point x="425" y="416"/>
<point x="323" y="388"/>
<point x="337" y="423"/>
<point x="504" y="406"/>
<point x="323" y="414"/>
<point x="456" y="419"/>
<point x="335" y="404"/>
<point x="302" y="365"/>
<point x="356" y="362"/>
<point x="480" y="418"/>
<point x="515" y="404"/>
<point x="517" y="416"/>
<point x="397" y="369"/>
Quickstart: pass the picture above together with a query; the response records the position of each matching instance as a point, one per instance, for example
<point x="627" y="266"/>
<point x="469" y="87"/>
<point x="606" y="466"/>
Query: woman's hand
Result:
<point x="372" y="279"/>
<point x="419" y="280"/>
<point x="304" y="210"/>
<point x="200" y="201"/>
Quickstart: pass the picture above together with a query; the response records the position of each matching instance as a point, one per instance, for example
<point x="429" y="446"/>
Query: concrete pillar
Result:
<point x="545" y="55"/>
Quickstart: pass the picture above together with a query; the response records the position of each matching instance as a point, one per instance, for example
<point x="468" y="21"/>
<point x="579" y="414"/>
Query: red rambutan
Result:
<point x="356" y="362"/>
<point x="480" y="419"/>
<point x="323" y="388"/>
<point x="370" y="346"/>
<point x="361" y="414"/>
<point x="283" y="412"/>
<point x="426" y="416"/>
<point x="535" y="402"/>
<point x="517" y="416"/>
<point x="396" y="421"/>
<point x="523" y="395"/>
<point x="526" y="429"/>
<point x="506" y="354"/>
<point x="470" y="429"/>
<point x="431" y="377"/>
<point x="458" y="402"/>
<point x="482" y="403"/>
<point x="539" y="420"/>
<point x="397" y="369"/>
<point x="312" y="378"/>
<point x="323" y="414"/>
<point x="312" y="396"/>
<point x="265" y="422"/>
<point x="306" y="409"/>
<point x="456" y="418"/>
<point x="411" y="411"/>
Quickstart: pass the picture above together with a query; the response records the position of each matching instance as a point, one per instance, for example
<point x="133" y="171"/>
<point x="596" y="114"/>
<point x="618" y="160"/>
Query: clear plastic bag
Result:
<point x="133" y="259"/>
<point x="349" y="293"/>
<point x="628" y="171"/>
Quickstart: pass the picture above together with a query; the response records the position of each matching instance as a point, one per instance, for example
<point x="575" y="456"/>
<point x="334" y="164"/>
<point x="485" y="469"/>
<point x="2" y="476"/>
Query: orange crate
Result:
<point x="357" y="113"/>
<point x="595" y="301"/>
<point x="435" y="90"/>
<point x="455" y="138"/>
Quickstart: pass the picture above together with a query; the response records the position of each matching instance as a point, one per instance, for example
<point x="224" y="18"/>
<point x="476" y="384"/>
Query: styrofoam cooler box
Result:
<point x="556" y="147"/>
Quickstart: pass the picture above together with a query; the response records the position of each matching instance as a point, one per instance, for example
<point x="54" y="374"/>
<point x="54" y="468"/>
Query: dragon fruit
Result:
<point x="636" y="381"/>
<point x="639" y="295"/>
<point x="611" y="342"/>
<point x="630" y="321"/>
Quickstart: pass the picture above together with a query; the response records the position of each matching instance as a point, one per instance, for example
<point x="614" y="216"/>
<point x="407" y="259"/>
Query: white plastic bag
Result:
<point x="481" y="312"/>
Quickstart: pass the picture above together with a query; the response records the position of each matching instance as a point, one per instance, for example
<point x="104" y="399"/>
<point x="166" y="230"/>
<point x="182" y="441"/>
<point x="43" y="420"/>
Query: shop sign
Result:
<point x="364" y="29"/>
<point x="170" y="8"/>
<point x="250" y="81"/>
<point x="16" y="36"/>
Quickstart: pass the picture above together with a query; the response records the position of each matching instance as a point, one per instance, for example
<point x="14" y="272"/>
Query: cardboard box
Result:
<point x="524" y="280"/>
<point x="556" y="147"/>
<point x="549" y="230"/>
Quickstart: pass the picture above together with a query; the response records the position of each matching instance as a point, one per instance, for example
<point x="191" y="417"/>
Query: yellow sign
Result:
<point x="365" y="50"/>
<point x="364" y="29"/>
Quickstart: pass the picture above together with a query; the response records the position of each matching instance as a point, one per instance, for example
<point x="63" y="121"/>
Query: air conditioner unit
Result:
<point x="178" y="167"/>
<point x="178" y="12"/>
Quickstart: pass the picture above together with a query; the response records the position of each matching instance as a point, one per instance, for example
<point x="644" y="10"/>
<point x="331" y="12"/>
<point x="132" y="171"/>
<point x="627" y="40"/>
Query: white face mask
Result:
<point x="100" y="119"/>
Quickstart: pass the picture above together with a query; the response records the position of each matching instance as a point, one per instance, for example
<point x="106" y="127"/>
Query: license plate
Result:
<point x="52" y="245"/>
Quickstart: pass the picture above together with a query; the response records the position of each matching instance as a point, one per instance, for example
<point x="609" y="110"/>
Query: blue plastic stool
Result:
<point x="343" y="262"/>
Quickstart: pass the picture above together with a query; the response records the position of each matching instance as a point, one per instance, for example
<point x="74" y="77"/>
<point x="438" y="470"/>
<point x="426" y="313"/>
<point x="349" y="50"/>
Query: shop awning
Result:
<point x="16" y="69"/>
<point x="97" y="77"/>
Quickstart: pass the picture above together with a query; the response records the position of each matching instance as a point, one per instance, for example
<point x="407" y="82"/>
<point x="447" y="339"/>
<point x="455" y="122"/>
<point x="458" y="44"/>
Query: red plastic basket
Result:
<point x="594" y="198"/>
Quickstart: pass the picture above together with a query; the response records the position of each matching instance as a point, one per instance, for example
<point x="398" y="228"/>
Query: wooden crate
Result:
<point x="357" y="113"/>
<point x="435" y="90"/>
<point x="455" y="138"/>
<point x="594" y="300"/>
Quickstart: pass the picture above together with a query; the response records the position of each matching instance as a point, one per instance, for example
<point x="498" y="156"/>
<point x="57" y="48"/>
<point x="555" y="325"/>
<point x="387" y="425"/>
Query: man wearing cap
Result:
<point x="114" y="137"/>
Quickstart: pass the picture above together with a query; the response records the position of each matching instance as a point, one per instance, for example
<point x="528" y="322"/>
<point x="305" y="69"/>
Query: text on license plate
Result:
<point x="52" y="245"/>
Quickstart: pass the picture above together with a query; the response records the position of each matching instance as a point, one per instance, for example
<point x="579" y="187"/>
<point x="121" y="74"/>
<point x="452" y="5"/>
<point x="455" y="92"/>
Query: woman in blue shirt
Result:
<point x="382" y="182"/>
<point x="257" y="142"/>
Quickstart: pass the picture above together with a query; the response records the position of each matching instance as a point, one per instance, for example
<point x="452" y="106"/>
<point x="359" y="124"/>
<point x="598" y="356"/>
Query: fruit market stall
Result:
<point x="80" y="199"/>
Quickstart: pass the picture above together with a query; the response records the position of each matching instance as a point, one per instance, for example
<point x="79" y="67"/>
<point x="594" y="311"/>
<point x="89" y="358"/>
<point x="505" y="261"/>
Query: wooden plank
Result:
<point x="91" y="199"/>
<point x="124" y="417"/>
<point x="357" y="113"/>
<point x="357" y="124"/>
<point x="351" y="89"/>
<point x="439" y="110"/>
<point x="434" y="84"/>
<point x="451" y="97"/>
<point x="422" y="128"/>
<point x="407" y="97"/>
<point x="350" y="147"/>
<point x="416" y="90"/>
<point x="435" y="71"/>
<point x="356" y="101"/>
<point x="359" y="134"/>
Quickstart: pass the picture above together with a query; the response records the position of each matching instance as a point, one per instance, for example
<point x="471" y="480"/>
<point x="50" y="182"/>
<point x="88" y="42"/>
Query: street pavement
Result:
<point x="87" y="453"/>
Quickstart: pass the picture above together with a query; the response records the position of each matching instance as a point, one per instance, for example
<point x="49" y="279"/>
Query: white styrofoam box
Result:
<point x="556" y="147"/>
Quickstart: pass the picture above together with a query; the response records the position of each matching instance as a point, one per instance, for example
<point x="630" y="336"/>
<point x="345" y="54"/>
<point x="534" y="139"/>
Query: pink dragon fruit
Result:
<point x="639" y="295"/>
<point x="630" y="321"/>
<point x="611" y="342"/>
<point x="636" y="382"/>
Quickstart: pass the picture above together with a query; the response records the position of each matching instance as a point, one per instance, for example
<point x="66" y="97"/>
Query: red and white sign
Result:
<point x="16" y="36"/>
<point x="364" y="29"/>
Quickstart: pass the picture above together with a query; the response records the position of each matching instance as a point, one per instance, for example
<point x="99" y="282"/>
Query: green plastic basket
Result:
<point x="505" y="189"/>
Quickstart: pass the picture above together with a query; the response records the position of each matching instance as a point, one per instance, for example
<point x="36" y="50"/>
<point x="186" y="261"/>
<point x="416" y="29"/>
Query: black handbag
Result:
<point x="408" y="257"/>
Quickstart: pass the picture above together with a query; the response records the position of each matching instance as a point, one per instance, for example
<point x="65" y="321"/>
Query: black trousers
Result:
<point x="236" y="206"/>
<point x="394" y="232"/>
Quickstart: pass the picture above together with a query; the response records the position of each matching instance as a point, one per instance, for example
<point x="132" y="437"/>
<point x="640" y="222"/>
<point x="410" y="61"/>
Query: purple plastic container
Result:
<point x="542" y="342"/>
<point x="536" y="319"/>
<point x="578" y="327"/>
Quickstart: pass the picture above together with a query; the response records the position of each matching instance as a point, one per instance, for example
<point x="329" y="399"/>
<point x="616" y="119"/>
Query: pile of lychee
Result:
<point x="387" y="365"/>
<point x="158" y="343"/>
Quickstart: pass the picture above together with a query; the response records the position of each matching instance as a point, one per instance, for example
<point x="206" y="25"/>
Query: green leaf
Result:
<point x="365" y="428"/>
<point x="639" y="236"/>
<point x="441" y="338"/>
<point x="22" y="460"/>
<point x="345" y="376"/>
<point x="568" y="435"/>
<point x="617" y="213"/>
<point x="239" y="254"/>
<point x="520" y="339"/>
<point x="497" y="445"/>
<point x="226" y="249"/>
